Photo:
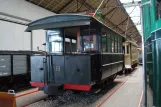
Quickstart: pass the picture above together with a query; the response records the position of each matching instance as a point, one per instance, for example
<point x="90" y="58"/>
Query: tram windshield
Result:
<point x="71" y="41"/>
<point x="54" y="41"/>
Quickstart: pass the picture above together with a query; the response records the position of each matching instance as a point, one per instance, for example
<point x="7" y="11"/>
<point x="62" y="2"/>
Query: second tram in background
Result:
<point x="130" y="55"/>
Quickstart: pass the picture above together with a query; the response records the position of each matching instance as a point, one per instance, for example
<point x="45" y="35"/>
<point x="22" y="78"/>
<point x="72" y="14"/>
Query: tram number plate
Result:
<point x="57" y="68"/>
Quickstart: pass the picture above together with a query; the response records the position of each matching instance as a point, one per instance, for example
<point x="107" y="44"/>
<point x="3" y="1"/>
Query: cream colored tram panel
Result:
<point x="130" y="55"/>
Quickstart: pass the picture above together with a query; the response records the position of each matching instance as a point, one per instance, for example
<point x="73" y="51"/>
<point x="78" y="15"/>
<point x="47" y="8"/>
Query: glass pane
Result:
<point x="104" y="42"/>
<point x="89" y="43"/>
<point x="127" y="49"/>
<point x="121" y="47"/>
<point x="56" y="47"/>
<point x="109" y="45"/>
<point x="112" y="43"/>
<point x="55" y="41"/>
<point x="74" y="41"/>
<point x="67" y="45"/>
<point x="67" y="40"/>
<point x="116" y="44"/>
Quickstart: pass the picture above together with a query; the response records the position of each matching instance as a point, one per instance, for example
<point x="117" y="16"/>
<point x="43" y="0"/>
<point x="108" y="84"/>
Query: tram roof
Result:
<point x="132" y="43"/>
<point x="59" y="21"/>
<point x="63" y="20"/>
<point x="114" y="14"/>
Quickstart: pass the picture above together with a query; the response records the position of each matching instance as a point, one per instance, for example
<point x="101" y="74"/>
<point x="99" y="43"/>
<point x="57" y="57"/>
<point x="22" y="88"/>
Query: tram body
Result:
<point x="130" y="55"/>
<point x="83" y="54"/>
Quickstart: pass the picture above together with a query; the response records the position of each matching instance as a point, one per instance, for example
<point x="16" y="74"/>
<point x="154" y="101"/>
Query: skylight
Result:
<point x="134" y="13"/>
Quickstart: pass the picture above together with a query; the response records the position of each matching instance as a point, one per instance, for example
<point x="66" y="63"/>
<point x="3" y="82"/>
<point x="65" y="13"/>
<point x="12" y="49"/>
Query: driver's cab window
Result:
<point x="54" y="41"/>
<point x="70" y="35"/>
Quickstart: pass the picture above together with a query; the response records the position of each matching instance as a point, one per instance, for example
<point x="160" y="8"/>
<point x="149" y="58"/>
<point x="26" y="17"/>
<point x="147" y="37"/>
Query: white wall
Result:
<point x="39" y="38"/>
<point x="12" y="36"/>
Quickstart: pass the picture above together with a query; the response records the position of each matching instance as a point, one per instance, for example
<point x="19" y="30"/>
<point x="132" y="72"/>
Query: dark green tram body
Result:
<point x="152" y="52"/>
<point x="82" y="54"/>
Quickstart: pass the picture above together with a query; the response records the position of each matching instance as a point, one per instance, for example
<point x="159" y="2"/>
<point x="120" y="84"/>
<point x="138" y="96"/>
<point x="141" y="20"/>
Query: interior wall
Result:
<point x="39" y="38"/>
<point x="12" y="36"/>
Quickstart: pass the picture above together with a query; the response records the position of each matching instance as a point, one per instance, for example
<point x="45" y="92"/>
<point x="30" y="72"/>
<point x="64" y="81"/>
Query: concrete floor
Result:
<point x="130" y="93"/>
<point x="22" y="101"/>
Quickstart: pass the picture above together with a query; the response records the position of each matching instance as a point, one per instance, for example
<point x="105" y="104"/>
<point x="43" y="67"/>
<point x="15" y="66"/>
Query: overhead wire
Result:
<point x="128" y="21"/>
<point x="98" y="7"/>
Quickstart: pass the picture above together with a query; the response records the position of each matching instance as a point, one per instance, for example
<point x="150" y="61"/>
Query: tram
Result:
<point x="83" y="54"/>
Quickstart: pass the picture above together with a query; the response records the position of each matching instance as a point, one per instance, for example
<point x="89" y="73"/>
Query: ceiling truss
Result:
<point x="109" y="8"/>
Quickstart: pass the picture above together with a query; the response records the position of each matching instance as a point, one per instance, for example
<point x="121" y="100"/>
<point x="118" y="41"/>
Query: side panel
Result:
<point x="20" y="64"/>
<point x="121" y="64"/>
<point x="96" y="67"/>
<point x="37" y="68"/>
<point x="115" y="62"/>
<point x="5" y="65"/>
<point x="106" y="66"/>
<point x="134" y="54"/>
<point x="58" y="69"/>
<point x="111" y="64"/>
<point x="77" y="69"/>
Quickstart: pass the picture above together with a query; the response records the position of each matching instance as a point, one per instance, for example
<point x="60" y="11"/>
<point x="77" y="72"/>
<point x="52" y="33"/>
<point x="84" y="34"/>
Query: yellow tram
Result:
<point x="130" y="55"/>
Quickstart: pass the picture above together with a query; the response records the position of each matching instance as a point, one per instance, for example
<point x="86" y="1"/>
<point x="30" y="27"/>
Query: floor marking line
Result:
<point x="27" y="93"/>
<point x="111" y="93"/>
<point x="140" y="99"/>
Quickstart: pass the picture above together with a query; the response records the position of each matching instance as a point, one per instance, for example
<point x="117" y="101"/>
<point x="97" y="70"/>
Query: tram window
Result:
<point x="112" y="44"/>
<point x="120" y="47"/>
<point x="74" y="45"/>
<point x="67" y="45"/>
<point x="109" y="44"/>
<point x="71" y="40"/>
<point x="67" y="40"/>
<point x="104" y="41"/>
<point x="89" y="43"/>
<point x="158" y="9"/>
<point x="74" y="41"/>
<point x="127" y="49"/>
<point x="55" y="41"/>
<point x="116" y="45"/>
